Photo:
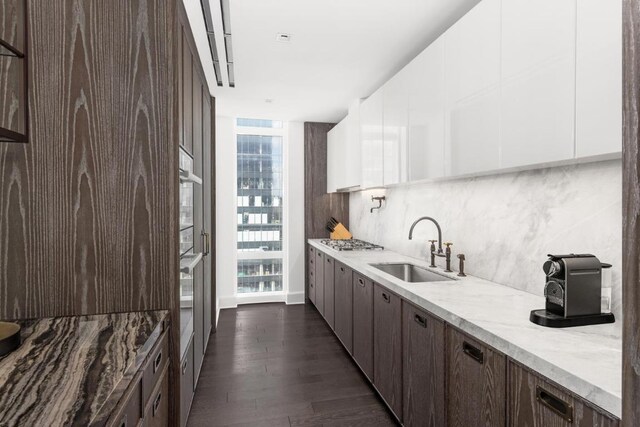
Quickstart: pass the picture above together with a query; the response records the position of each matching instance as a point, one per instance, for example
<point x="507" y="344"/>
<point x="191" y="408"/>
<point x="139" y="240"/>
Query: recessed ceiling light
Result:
<point x="283" y="37"/>
<point x="268" y="100"/>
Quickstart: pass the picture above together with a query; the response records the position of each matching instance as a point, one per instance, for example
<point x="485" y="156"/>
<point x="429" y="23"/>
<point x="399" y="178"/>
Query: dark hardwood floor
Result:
<point x="279" y="365"/>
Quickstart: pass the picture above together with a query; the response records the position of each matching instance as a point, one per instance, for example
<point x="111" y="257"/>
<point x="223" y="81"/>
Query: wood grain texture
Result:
<point x="88" y="209"/>
<point x="476" y="393"/>
<point x="363" y="324"/>
<point x="319" y="266"/>
<point x="631" y="214"/>
<point x="423" y="368"/>
<point x="329" y="291"/>
<point x="526" y="411"/>
<point x="13" y="84"/>
<point x="318" y="205"/>
<point x="344" y="305"/>
<point x="387" y="347"/>
<point x="311" y="278"/>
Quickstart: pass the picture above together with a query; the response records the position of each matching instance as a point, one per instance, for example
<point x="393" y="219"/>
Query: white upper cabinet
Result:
<point x="472" y="100"/>
<point x="336" y="164"/>
<point x="538" y="81"/>
<point x="352" y="150"/>
<point x="371" y="137"/>
<point x="395" y="121"/>
<point x="599" y="77"/>
<point x="425" y="138"/>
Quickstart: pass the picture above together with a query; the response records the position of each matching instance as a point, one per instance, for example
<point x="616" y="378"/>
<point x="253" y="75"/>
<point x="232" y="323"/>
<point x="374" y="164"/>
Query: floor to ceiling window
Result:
<point x="260" y="205"/>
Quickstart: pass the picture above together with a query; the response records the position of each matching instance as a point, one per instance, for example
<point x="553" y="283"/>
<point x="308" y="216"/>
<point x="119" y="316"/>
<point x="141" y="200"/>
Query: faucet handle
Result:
<point x="448" y="244"/>
<point x="432" y="241"/>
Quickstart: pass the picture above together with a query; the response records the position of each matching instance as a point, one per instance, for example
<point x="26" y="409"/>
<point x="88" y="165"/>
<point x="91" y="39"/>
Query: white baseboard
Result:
<point x="295" y="298"/>
<point x="234" y="301"/>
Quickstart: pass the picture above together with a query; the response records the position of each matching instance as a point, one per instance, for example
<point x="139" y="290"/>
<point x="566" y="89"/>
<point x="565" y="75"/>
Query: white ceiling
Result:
<point x="340" y="51"/>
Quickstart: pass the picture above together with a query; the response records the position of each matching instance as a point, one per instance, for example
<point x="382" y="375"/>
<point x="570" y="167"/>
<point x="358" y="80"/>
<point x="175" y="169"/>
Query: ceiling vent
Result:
<point x="283" y="37"/>
<point x="227" y="60"/>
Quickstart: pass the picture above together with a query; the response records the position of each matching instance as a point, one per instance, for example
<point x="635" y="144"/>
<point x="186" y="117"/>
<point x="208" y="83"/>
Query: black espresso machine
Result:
<point x="573" y="292"/>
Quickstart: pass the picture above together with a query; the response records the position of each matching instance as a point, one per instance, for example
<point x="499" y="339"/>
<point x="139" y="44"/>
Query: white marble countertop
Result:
<point x="586" y="360"/>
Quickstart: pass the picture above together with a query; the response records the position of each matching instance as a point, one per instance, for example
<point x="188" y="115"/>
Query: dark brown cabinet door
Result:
<point x="186" y="384"/>
<point x="344" y="305"/>
<point x="319" y="267"/>
<point x="329" y="287"/>
<point x="312" y="275"/>
<point x="198" y="322"/>
<point x="476" y="383"/>
<point x="387" y="347"/>
<point x="535" y="402"/>
<point x="423" y="368"/>
<point x="363" y="324"/>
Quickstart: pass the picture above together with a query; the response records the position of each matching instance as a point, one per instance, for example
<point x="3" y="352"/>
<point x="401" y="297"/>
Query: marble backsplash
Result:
<point x="506" y="224"/>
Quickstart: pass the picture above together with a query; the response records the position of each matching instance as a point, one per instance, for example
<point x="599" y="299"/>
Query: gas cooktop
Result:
<point x="351" y="245"/>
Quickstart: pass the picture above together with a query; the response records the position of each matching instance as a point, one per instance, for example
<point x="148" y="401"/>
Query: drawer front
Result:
<point x="186" y="384"/>
<point x="157" y="411"/>
<point x="155" y="365"/>
<point x="476" y="382"/>
<point x="536" y="402"/>
<point x="131" y="413"/>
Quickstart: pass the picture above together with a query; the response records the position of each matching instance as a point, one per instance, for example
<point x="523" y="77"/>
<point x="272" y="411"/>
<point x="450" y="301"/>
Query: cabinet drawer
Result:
<point x="157" y="410"/>
<point x="476" y="382"/>
<point x="155" y="365"/>
<point x="186" y="384"/>
<point x="536" y="402"/>
<point x="363" y="324"/>
<point x="423" y="368"/>
<point x="131" y="412"/>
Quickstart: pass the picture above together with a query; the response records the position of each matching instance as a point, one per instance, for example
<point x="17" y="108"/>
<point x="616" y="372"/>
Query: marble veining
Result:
<point x="585" y="360"/>
<point x="74" y="370"/>
<point x="506" y="224"/>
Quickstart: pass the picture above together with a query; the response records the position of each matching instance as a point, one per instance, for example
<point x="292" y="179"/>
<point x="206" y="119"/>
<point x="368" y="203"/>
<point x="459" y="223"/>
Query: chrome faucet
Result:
<point x="439" y="252"/>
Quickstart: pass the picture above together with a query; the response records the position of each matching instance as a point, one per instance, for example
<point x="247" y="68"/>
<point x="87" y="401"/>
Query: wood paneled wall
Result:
<point x="88" y="208"/>
<point x="631" y="215"/>
<point x="318" y="205"/>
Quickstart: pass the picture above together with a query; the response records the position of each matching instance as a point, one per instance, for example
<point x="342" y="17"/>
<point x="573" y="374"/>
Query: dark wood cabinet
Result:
<point x="186" y="384"/>
<point x="198" y="322"/>
<point x="187" y="95"/>
<point x="476" y="383"/>
<point x="363" y="324"/>
<point x="156" y="413"/>
<point x="344" y="305"/>
<point x="329" y="289"/>
<point x="423" y="368"/>
<point x="319" y="269"/>
<point x="14" y="76"/>
<point x="536" y="402"/>
<point x="387" y="347"/>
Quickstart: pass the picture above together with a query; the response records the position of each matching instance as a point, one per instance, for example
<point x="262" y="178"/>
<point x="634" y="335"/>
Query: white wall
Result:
<point x="226" y="219"/>
<point x="506" y="224"/>
<point x="295" y="213"/>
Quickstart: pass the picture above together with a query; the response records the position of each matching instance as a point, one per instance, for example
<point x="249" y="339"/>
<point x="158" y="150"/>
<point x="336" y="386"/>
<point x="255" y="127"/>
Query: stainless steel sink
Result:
<point x="411" y="273"/>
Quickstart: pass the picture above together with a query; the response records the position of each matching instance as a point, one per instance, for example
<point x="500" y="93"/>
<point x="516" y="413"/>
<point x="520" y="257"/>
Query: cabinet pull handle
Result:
<point x="329" y="260"/>
<point x="311" y="261"/>
<point x="311" y="273"/>
<point x="361" y="282"/>
<point x="555" y="404"/>
<point x="342" y="269"/>
<point x="184" y="367"/>
<point x="156" y="403"/>
<point x="386" y="298"/>
<point x="207" y="243"/>
<point x="311" y="284"/>
<point x="156" y="362"/>
<point x="473" y="352"/>
<point x="319" y="254"/>
<point x="420" y="320"/>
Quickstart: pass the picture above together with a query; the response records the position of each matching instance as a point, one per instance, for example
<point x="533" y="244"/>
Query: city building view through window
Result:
<point x="259" y="205"/>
